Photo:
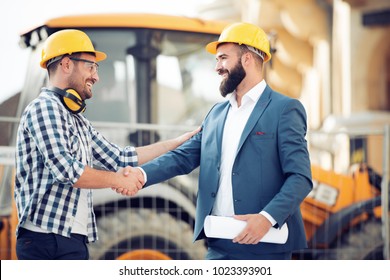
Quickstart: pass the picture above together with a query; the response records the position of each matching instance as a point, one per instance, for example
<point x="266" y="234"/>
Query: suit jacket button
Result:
<point x="213" y="194"/>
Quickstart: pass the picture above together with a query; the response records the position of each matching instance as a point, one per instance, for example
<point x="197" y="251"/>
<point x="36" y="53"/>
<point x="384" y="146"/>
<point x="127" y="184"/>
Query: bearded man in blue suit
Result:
<point x="252" y="153"/>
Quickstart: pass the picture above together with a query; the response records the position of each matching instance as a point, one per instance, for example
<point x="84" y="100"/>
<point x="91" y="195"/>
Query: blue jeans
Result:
<point x="32" y="245"/>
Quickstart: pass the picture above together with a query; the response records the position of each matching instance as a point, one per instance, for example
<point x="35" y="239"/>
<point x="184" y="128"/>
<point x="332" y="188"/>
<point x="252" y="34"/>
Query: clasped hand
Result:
<point x="131" y="180"/>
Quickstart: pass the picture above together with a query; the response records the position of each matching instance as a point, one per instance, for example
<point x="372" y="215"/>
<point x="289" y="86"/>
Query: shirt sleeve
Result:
<point x="144" y="173"/>
<point x="268" y="217"/>
<point x="110" y="156"/>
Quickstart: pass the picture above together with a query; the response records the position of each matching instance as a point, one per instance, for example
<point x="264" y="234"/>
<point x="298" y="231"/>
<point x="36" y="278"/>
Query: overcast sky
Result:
<point x="19" y="15"/>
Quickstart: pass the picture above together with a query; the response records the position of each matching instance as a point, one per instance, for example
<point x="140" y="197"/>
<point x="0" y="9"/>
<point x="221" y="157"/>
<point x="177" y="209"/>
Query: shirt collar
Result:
<point x="253" y="94"/>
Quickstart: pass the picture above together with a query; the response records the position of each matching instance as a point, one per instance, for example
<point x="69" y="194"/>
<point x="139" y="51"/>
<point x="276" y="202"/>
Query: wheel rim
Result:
<point x="143" y="255"/>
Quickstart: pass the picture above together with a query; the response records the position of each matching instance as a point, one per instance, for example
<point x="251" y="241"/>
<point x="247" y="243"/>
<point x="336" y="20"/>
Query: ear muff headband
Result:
<point x="70" y="98"/>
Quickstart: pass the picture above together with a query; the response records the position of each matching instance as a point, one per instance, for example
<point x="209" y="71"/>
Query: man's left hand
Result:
<point x="257" y="226"/>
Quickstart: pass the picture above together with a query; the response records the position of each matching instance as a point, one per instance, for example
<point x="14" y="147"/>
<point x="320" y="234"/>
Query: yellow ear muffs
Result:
<point x="73" y="101"/>
<point x="70" y="98"/>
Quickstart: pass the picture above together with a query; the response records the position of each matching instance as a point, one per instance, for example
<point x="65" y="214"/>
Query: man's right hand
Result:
<point x="126" y="180"/>
<point x="132" y="180"/>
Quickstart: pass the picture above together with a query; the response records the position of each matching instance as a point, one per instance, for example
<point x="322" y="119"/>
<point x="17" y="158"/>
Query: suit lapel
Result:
<point x="220" y="126"/>
<point x="260" y="106"/>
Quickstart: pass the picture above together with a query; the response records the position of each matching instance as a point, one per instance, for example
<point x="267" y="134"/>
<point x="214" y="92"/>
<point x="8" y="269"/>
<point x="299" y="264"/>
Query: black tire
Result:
<point x="145" y="229"/>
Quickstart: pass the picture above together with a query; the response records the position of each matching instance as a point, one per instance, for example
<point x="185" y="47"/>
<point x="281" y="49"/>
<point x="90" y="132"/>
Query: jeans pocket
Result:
<point x="35" y="246"/>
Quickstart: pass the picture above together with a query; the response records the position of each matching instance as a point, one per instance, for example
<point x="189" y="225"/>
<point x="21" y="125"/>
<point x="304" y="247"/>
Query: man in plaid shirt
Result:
<point x="57" y="148"/>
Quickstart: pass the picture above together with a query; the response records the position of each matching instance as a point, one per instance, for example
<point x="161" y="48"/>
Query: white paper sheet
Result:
<point x="229" y="228"/>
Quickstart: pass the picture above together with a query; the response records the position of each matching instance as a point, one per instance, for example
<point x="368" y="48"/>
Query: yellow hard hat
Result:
<point x="68" y="41"/>
<point x="243" y="33"/>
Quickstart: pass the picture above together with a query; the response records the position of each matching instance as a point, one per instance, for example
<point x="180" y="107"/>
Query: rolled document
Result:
<point x="229" y="228"/>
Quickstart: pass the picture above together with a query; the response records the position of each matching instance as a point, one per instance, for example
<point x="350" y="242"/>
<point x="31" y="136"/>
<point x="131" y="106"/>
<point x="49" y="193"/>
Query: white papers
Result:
<point x="229" y="228"/>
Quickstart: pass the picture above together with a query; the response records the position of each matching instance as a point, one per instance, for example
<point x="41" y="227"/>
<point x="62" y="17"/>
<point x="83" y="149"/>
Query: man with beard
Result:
<point x="252" y="153"/>
<point x="57" y="151"/>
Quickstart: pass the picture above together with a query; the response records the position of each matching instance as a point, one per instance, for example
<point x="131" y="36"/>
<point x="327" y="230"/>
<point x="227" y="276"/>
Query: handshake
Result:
<point x="129" y="181"/>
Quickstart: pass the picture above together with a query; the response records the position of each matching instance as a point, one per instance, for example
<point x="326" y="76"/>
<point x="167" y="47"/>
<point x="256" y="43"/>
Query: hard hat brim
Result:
<point x="212" y="47"/>
<point x="100" y="56"/>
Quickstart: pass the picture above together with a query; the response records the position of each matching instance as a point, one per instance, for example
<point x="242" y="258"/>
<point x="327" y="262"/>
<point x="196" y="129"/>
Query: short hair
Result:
<point x="258" y="54"/>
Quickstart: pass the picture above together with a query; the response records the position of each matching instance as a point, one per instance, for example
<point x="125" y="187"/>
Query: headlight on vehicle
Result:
<point x="324" y="193"/>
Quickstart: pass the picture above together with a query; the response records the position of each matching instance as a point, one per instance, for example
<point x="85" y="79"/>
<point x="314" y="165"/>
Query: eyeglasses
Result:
<point x="93" y="66"/>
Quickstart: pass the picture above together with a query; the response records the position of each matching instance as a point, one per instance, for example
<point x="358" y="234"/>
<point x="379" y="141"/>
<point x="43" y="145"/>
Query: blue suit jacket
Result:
<point x="271" y="170"/>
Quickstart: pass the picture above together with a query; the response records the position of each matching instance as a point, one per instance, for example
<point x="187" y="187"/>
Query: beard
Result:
<point x="73" y="83"/>
<point x="234" y="78"/>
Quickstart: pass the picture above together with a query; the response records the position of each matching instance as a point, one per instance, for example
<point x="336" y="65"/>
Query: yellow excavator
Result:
<point x="342" y="215"/>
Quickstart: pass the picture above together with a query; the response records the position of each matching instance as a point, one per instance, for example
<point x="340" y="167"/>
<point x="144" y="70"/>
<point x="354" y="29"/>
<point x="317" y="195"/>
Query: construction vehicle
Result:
<point x="344" y="216"/>
<point x="157" y="82"/>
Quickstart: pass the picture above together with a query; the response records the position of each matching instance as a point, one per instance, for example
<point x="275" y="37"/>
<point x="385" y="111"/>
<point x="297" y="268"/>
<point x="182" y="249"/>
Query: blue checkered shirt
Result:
<point x="49" y="161"/>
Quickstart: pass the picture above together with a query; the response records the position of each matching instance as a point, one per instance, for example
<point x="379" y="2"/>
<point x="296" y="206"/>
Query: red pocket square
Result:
<point x="260" y="133"/>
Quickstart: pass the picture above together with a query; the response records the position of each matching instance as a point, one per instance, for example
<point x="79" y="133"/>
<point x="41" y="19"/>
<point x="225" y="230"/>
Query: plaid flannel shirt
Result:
<point x="49" y="161"/>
